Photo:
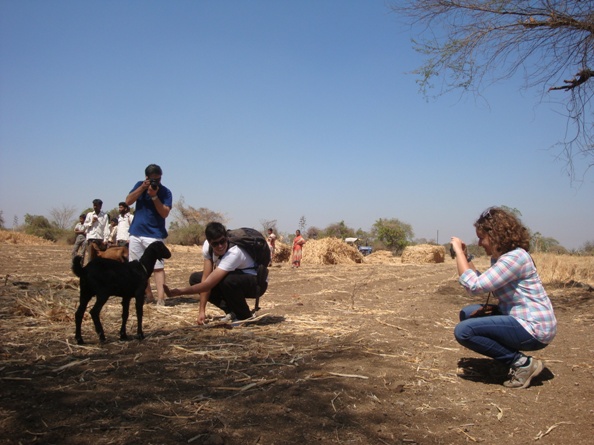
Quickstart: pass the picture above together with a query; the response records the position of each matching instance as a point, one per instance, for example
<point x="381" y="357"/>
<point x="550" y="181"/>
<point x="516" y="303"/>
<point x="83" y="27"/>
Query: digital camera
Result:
<point x="154" y="184"/>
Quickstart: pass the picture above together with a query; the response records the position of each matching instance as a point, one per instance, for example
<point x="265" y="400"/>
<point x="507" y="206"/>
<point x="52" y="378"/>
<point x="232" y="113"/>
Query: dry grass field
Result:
<point x="344" y="353"/>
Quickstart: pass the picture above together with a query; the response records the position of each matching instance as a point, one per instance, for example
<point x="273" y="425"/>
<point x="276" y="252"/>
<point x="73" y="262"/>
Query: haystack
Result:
<point x="12" y="237"/>
<point x="423" y="253"/>
<point x="282" y="252"/>
<point x="381" y="257"/>
<point x="330" y="251"/>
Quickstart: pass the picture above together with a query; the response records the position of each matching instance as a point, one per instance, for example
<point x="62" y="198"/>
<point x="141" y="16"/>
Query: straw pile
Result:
<point x="381" y="257"/>
<point x="282" y="252"/>
<point x="185" y="249"/>
<point x="423" y="253"/>
<point x="12" y="237"/>
<point x="330" y="251"/>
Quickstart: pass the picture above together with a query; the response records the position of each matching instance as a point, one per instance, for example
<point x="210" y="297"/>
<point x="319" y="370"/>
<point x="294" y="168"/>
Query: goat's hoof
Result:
<point x="102" y="339"/>
<point x="124" y="337"/>
<point x="139" y="336"/>
<point x="80" y="341"/>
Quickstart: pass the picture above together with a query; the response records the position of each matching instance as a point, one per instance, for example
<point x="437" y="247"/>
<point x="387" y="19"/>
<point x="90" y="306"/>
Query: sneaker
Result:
<point x="236" y="323"/>
<point x="521" y="376"/>
<point x="229" y="317"/>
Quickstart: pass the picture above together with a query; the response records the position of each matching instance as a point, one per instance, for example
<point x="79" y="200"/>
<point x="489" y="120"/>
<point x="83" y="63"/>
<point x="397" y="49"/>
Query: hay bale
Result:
<point x="12" y="237"/>
<point x="423" y="253"/>
<point x="381" y="257"/>
<point x="282" y="252"/>
<point x="175" y="248"/>
<point x="330" y="251"/>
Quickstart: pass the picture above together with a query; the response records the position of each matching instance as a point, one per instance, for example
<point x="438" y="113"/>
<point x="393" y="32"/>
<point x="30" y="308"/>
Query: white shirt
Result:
<point x="234" y="259"/>
<point x="124" y="227"/>
<point x="97" y="229"/>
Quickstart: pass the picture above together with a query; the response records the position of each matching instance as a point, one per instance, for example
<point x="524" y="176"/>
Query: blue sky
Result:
<point x="267" y="110"/>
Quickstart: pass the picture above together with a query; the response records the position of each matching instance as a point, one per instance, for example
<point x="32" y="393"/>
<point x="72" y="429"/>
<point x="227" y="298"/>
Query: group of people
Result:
<point x="296" y="253"/>
<point x="147" y="225"/>
<point x="522" y="319"/>
<point x="93" y="228"/>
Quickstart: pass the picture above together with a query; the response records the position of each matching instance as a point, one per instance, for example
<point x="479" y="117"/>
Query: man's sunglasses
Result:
<point x="218" y="243"/>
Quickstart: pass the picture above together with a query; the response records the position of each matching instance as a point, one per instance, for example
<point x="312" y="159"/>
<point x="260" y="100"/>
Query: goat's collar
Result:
<point x="143" y="266"/>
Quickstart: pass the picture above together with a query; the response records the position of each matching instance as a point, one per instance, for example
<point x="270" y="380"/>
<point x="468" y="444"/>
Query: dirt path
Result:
<point x="358" y="354"/>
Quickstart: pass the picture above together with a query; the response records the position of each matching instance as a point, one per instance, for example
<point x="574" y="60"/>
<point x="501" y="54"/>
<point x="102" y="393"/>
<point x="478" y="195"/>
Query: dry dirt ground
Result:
<point x="346" y="354"/>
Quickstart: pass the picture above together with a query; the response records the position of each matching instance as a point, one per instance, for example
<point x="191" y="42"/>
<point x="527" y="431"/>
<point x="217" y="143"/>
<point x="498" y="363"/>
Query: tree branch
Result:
<point x="580" y="78"/>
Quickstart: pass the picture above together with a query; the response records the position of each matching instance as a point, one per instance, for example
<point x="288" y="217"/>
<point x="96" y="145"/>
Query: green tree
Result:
<point x="539" y="243"/>
<point x="338" y="230"/>
<point x="302" y="223"/>
<point x="470" y="44"/>
<point x="393" y="233"/>
<point x="312" y="233"/>
<point x="40" y="226"/>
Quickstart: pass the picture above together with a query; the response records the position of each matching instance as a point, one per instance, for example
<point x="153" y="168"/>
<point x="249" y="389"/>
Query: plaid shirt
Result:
<point x="514" y="281"/>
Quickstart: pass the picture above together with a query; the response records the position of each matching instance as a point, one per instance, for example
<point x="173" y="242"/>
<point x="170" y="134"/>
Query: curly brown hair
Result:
<point x="504" y="229"/>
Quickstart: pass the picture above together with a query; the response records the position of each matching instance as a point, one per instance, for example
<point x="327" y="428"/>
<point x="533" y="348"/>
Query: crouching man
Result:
<point x="228" y="278"/>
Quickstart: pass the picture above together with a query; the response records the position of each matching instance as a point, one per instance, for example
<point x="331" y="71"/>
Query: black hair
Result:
<point x="153" y="169"/>
<point x="215" y="230"/>
<point x="97" y="202"/>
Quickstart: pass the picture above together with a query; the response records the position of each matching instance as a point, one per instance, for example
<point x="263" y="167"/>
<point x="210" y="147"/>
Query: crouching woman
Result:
<point x="523" y="319"/>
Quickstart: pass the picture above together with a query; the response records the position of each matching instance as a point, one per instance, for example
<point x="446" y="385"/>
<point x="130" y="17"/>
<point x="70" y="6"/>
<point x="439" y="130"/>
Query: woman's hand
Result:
<point x="458" y="245"/>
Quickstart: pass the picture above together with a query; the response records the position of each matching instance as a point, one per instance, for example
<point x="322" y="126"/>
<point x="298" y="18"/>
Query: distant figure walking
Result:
<point x="81" y="235"/>
<point x="271" y="239"/>
<point x="298" y="243"/>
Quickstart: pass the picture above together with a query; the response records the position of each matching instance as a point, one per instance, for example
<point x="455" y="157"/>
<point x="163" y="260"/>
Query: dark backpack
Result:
<point x="254" y="243"/>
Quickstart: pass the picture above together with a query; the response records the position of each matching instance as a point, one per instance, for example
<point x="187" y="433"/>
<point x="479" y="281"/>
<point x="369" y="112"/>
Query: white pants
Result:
<point x="138" y="245"/>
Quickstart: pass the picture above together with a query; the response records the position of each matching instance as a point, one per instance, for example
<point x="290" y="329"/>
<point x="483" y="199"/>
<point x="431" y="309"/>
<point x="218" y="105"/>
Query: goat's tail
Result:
<point x="77" y="266"/>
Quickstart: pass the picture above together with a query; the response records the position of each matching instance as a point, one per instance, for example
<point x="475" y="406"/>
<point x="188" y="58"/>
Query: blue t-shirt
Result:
<point x="147" y="221"/>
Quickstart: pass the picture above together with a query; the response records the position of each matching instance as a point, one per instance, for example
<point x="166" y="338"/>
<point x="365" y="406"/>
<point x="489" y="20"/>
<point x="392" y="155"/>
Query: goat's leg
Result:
<point x="139" y="300"/>
<point x="125" y="315"/>
<point x="78" y="318"/>
<point x="101" y="300"/>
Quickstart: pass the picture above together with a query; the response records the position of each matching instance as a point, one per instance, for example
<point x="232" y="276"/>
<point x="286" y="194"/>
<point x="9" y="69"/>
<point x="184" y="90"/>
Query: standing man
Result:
<point x="81" y="236"/>
<point x="97" y="227"/>
<point x="153" y="204"/>
<point x="272" y="244"/>
<point x="124" y="221"/>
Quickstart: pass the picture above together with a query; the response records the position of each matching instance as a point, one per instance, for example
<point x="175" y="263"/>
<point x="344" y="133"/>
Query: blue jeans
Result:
<point x="497" y="336"/>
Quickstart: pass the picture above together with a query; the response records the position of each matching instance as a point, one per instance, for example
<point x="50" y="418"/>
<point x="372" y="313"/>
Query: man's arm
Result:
<point x="135" y="194"/>
<point x="210" y="278"/>
<point x="161" y="208"/>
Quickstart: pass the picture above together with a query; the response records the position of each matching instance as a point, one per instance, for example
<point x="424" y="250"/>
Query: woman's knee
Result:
<point x="463" y="332"/>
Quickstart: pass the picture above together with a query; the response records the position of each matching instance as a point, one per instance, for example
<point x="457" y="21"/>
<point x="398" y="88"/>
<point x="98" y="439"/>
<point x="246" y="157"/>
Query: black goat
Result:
<point x="104" y="278"/>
